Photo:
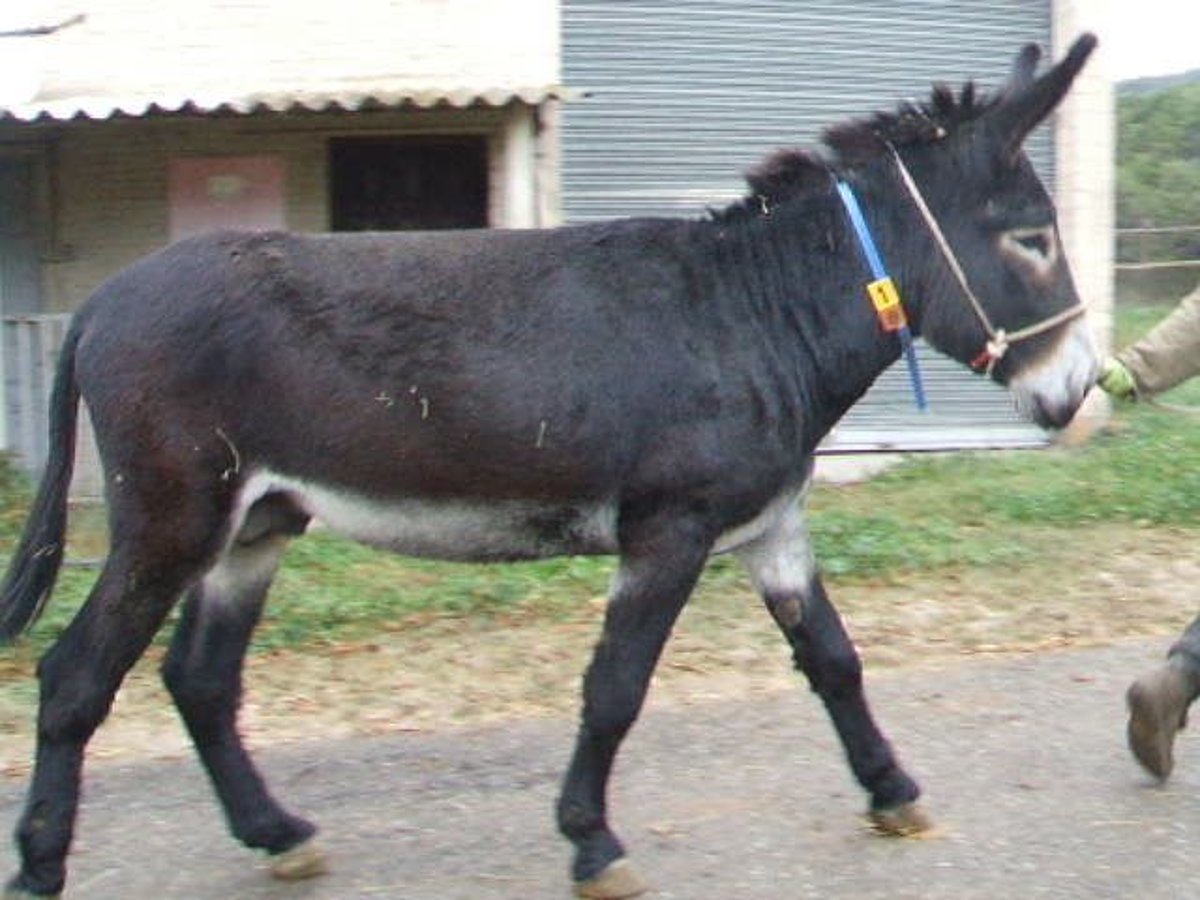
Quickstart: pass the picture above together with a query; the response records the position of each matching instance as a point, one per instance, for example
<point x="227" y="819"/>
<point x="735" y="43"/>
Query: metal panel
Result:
<point x="29" y="348"/>
<point x="683" y="96"/>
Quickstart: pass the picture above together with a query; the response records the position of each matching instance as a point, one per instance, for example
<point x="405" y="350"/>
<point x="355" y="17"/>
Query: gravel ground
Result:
<point x="1022" y="757"/>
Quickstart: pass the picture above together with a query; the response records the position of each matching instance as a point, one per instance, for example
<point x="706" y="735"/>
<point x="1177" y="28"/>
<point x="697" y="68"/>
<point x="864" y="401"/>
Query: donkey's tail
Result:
<point x="39" y="554"/>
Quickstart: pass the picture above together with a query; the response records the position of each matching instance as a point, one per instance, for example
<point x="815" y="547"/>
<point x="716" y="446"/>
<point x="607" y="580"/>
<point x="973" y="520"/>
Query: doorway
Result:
<point x="412" y="183"/>
<point x="27" y="348"/>
<point x="20" y="266"/>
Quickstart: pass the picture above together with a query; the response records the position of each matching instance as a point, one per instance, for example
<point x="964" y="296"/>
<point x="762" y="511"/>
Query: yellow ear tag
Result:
<point x="886" y="300"/>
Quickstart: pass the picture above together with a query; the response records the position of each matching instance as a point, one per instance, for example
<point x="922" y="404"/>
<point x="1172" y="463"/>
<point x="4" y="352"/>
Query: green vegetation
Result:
<point x="929" y="513"/>
<point x="1158" y="169"/>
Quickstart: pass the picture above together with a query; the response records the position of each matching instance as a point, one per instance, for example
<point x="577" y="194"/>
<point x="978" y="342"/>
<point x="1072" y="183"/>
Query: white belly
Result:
<point x="451" y="529"/>
<point x="491" y="531"/>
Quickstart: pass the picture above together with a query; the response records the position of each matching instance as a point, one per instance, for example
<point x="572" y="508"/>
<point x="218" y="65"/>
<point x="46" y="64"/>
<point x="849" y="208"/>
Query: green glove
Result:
<point x="1117" y="380"/>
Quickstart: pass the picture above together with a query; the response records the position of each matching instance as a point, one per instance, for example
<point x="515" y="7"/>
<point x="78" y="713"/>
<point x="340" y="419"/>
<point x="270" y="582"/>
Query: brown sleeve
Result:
<point x="1170" y="352"/>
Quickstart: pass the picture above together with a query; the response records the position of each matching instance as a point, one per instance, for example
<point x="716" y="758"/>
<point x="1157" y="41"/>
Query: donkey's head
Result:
<point x="977" y="249"/>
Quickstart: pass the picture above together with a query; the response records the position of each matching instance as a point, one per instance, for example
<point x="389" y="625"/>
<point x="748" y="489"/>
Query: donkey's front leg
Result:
<point x="783" y="568"/>
<point x="661" y="559"/>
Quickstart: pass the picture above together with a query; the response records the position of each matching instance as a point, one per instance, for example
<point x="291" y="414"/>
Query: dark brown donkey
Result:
<point x="649" y="388"/>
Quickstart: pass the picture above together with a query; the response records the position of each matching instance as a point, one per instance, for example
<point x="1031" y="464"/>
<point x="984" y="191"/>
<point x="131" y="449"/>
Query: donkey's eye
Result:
<point x="1034" y="243"/>
<point x="1034" y="247"/>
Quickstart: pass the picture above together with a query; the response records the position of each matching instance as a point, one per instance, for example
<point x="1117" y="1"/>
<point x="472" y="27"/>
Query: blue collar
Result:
<point x="883" y="293"/>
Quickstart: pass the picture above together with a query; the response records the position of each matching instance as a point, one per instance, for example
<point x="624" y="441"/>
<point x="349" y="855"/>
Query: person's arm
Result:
<point x="1167" y="355"/>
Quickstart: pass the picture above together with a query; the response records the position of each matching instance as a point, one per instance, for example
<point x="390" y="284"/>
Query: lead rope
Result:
<point x="998" y="340"/>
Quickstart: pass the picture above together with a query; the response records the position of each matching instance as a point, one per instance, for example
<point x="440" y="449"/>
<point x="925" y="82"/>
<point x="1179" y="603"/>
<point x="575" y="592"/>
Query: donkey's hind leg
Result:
<point x="79" y="677"/>
<point x="782" y="566"/>
<point x="203" y="672"/>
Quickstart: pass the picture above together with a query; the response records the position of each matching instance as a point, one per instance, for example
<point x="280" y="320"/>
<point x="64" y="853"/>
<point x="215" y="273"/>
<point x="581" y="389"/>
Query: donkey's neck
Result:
<point x="800" y="274"/>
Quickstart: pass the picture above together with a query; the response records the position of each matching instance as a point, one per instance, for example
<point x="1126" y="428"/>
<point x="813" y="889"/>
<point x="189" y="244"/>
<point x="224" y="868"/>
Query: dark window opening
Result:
<point x="399" y="184"/>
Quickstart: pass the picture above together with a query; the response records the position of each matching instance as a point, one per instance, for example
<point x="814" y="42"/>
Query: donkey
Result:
<point x="650" y="388"/>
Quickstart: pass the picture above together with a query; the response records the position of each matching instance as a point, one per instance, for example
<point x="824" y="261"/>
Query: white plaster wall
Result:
<point x="1085" y="136"/>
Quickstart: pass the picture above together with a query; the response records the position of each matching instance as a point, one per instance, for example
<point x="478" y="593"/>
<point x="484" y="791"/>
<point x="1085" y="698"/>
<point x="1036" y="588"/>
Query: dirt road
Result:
<point x="1022" y="758"/>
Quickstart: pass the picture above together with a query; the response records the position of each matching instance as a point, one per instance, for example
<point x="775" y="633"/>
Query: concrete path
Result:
<point x="1022" y="759"/>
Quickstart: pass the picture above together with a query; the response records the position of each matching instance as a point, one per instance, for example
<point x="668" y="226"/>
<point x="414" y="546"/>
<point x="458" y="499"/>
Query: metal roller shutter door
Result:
<point x="684" y="95"/>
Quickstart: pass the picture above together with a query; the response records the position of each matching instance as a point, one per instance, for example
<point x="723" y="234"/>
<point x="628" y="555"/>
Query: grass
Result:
<point x="930" y="513"/>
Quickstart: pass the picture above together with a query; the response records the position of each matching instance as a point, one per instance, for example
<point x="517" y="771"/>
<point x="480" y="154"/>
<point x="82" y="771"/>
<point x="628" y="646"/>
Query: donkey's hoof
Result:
<point x="905" y="820"/>
<point x="619" y="879"/>
<point x="305" y="860"/>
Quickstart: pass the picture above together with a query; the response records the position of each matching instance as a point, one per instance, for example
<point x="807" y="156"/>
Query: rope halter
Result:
<point x="998" y="340"/>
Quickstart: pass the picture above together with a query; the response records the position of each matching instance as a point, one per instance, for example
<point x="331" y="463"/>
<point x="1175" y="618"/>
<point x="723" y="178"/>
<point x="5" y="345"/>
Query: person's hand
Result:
<point x="1116" y="380"/>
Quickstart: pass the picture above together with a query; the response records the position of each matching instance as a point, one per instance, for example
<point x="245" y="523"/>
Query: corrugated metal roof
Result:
<point x="104" y="106"/>
<point x="135" y="58"/>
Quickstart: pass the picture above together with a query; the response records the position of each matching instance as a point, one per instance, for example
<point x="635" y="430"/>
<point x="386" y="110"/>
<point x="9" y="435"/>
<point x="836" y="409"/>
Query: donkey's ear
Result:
<point x="1026" y="101"/>
<point x="1022" y="71"/>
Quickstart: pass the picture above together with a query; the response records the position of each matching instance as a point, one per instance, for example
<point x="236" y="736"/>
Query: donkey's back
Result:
<point x="434" y="364"/>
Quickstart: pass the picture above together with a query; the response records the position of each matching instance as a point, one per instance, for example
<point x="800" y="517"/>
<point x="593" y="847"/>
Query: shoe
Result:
<point x="1158" y="703"/>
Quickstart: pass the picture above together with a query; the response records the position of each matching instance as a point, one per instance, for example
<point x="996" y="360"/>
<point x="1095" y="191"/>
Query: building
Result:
<point x="133" y="123"/>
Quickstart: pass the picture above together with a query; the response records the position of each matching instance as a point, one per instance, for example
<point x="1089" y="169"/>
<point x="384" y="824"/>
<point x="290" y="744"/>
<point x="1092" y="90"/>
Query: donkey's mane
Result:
<point x="858" y="141"/>
<point x="792" y="172"/>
